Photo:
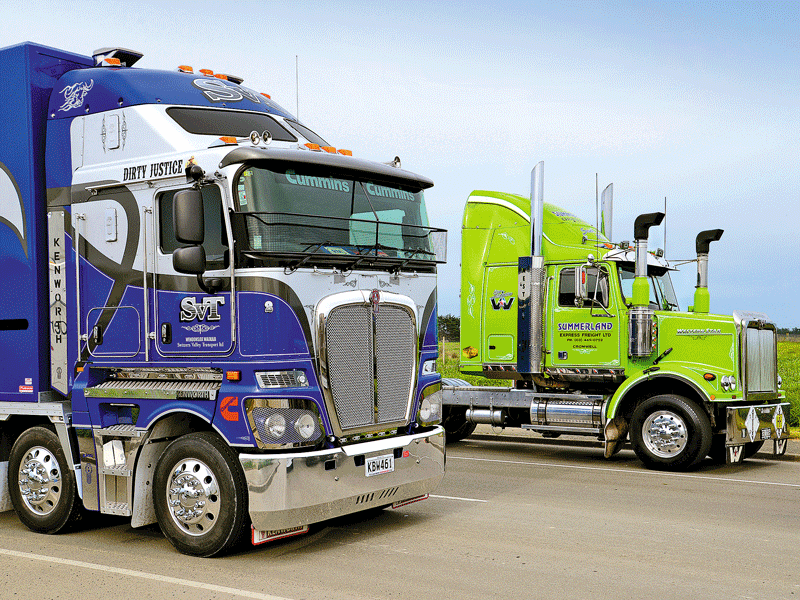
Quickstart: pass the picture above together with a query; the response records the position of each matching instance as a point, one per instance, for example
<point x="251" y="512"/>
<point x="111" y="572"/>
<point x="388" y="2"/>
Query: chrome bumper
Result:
<point x="289" y="490"/>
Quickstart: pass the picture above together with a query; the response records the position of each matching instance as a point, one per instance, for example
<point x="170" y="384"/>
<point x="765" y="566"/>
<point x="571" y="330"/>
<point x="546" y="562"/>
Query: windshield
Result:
<point x="300" y="211"/>
<point x="662" y="294"/>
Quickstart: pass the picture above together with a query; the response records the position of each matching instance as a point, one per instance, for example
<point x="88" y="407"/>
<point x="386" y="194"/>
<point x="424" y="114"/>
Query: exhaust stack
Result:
<point x="702" y="299"/>
<point x="530" y="292"/>
<point x="641" y="337"/>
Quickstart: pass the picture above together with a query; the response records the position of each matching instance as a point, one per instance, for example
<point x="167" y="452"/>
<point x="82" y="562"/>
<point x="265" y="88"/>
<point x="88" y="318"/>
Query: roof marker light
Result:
<point x="345" y="152"/>
<point x="311" y="146"/>
<point x="231" y="78"/>
<point x="329" y="149"/>
<point x="207" y="72"/>
<point x="266" y="95"/>
<point x="229" y="139"/>
<point x="221" y="76"/>
<point x="111" y="62"/>
<point x="185" y="69"/>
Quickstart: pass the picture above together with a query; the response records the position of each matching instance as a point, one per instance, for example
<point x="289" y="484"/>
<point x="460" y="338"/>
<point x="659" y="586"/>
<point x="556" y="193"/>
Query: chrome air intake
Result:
<point x="368" y="359"/>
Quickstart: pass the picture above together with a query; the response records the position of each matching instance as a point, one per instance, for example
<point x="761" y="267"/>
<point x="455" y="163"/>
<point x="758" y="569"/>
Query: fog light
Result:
<point x="276" y="425"/>
<point x="732" y="381"/>
<point x="305" y="426"/>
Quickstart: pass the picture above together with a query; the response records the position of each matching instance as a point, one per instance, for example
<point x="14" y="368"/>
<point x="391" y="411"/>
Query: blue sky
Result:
<point x="698" y="102"/>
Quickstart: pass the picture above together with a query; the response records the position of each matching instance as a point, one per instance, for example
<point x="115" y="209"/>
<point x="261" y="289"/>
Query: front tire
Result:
<point x="670" y="433"/>
<point x="41" y="484"/>
<point x="200" y="495"/>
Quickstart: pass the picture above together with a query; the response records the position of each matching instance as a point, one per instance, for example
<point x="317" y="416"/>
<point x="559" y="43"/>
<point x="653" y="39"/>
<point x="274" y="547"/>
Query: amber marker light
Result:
<point x="311" y="146"/>
<point x="709" y="376"/>
<point x="228" y="139"/>
<point x="207" y="72"/>
<point x="329" y="149"/>
<point x="185" y="69"/>
<point x="345" y="152"/>
<point x="266" y="95"/>
<point x="221" y="76"/>
<point x="233" y="375"/>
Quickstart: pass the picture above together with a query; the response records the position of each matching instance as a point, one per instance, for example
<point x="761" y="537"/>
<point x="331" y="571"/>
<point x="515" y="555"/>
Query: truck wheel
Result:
<point x="455" y="424"/>
<point x="41" y="484"/>
<point x="670" y="433"/>
<point x="200" y="495"/>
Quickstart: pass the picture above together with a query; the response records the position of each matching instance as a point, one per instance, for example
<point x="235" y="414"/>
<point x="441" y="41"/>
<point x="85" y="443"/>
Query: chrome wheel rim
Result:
<point x="40" y="481"/>
<point x="664" y="433"/>
<point x="193" y="497"/>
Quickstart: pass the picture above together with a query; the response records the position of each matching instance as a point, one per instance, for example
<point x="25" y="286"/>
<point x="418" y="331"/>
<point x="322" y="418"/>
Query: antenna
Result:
<point x="297" y="87"/>
<point x="665" y="227"/>
<point x="596" y="206"/>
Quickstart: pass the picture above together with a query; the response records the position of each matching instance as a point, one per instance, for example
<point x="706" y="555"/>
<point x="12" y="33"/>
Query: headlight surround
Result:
<point x="280" y="423"/>
<point x="430" y="407"/>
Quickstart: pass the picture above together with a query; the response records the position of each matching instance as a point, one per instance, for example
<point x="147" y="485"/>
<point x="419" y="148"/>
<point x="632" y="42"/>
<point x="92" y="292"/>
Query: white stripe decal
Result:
<point x="499" y="202"/>
<point x="142" y="575"/>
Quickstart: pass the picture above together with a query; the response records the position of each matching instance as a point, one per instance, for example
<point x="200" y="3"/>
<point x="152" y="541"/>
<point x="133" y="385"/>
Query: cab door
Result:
<point x="189" y="321"/>
<point x="583" y="334"/>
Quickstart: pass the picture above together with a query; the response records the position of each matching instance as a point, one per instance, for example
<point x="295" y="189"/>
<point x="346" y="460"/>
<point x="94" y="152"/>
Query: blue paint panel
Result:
<point x="100" y="89"/>
<point x="431" y="339"/>
<point x="124" y="333"/>
<point x="23" y="242"/>
<point x="268" y="326"/>
<point x="95" y="288"/>
<point x="58" y="155"/>
<point x="201" y="323"/>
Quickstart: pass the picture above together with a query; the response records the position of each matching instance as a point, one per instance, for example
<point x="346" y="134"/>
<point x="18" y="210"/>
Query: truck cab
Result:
<point x="590" y="336"/>
<point x="233" y="323"/>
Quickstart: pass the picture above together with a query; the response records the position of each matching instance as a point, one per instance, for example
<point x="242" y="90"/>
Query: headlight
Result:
<point x="728" y="383"/>
<point x="283" y="422"/>
<point x="305" y="426"/>
<point x="430" y="408"/>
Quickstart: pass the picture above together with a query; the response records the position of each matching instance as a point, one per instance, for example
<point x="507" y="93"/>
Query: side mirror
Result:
<point x="187" y="213"/>
<point x="191" y="260"/>
<point x="581" y="294"/>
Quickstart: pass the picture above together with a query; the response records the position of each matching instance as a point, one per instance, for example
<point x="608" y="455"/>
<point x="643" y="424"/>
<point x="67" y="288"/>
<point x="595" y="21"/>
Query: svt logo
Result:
<point x="208" y="309"/>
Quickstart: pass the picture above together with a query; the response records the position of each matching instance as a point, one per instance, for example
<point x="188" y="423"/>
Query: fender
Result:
<point x="680" y="373"/>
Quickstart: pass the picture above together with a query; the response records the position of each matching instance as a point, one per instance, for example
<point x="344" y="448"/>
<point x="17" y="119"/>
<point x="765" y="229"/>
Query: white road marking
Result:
<point x="627" y="471"/>
<point x="142" y="575"/>
<point x="457" y="498"/>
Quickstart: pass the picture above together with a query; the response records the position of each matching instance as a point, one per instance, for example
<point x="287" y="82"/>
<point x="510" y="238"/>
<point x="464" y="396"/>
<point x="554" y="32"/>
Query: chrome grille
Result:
<point x="760" y="361"/>
<point x="371" y="365"/>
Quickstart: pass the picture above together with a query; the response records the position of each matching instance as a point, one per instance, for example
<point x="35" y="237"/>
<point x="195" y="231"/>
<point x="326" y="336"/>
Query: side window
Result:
<point x="216" y="238"/>
<point x="597" y="289"/>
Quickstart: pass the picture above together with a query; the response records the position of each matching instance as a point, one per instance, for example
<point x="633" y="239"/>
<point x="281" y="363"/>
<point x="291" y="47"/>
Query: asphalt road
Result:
<point x="514" y="518"/>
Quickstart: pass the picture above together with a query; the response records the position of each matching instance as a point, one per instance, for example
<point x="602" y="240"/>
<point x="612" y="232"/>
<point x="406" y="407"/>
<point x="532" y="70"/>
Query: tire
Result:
<point x="670" y="433"/>
<point x="41" y="484"/>
<point x="200" y="495"/>
<point x="455" y="424"/>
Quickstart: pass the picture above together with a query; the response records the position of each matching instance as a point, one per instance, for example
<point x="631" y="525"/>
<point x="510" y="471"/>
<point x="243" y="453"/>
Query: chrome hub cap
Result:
<point x="40" y="481"/>
<point x="193" y="497"/>
<point x="664" y="433"/>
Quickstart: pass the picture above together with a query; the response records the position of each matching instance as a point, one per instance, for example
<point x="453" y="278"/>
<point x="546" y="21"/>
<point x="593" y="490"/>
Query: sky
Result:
<point x="695" y="102"/>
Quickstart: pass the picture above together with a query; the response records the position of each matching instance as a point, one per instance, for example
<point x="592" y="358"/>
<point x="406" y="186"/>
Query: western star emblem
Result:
<point x="375" y="298"/>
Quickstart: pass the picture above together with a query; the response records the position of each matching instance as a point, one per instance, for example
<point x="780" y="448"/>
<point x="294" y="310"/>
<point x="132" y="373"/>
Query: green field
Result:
<point x="788" y="368"/>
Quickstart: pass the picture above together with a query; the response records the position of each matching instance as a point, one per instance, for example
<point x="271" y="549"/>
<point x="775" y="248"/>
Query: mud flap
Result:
<point x="780" y="447"/>
<point x="616" y="432"/>
<point x="734" y="454"/>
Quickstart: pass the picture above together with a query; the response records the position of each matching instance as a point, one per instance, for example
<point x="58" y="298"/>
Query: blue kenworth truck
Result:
<point x="211" y="319"/>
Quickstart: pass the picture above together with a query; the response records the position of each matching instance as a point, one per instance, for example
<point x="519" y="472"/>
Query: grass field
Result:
<point x="788" y="368"/>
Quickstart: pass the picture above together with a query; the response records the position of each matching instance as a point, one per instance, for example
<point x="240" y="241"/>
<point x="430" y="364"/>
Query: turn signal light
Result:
<point x="228" y="139"/>
<point x="233" y="375"/>
<point x="266" y="95"/>
<point x="221" y="76"/>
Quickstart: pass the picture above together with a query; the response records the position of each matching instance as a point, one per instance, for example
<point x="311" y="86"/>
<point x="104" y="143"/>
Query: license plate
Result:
<point x="378" y="465"/>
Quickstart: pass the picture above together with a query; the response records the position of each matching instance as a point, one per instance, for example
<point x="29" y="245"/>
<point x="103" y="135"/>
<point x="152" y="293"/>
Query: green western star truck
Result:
<point x="590" y="335"/>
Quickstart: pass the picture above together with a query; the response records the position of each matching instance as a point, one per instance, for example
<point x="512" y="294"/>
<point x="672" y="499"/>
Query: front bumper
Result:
<point x="290" y="490"/>
<point x="757" y="423"/>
